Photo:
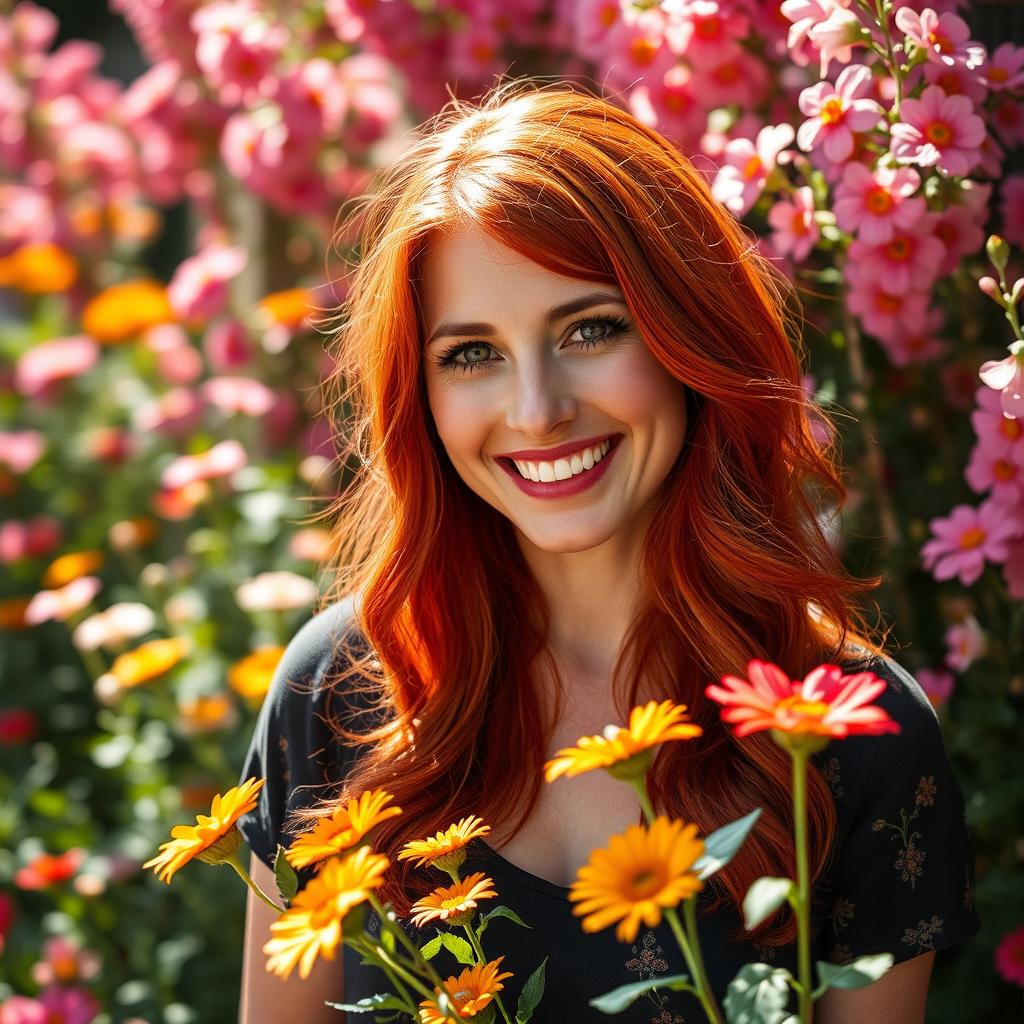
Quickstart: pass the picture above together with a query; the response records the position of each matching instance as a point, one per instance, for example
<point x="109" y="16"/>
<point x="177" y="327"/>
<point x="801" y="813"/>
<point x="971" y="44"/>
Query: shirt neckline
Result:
<point x="541" y="885"/>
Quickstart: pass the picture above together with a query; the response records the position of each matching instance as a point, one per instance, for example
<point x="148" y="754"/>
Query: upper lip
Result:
<point x="550" y="454"/>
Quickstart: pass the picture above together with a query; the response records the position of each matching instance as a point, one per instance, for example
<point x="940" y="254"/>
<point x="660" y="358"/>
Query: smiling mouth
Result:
<point x="566" y="468"/>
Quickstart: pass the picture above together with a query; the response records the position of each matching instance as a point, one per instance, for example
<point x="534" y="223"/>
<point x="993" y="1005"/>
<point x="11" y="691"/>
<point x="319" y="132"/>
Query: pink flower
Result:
<point x="64" y="602"/>
<point x="313" y="99"/>
<point x="992" y="466"/>
<point x="908" y="261"/>
<point x="672" y="104"/>
<point x="1012" y="209"/>
<point x="276" y="591"/>
<point x="968" y="537"/>
<point x="221" y="460"/>
<point x="955" y="80"/>
<point x="244" y="395"/>
<point x="938" y="130"/>
<point x="227" y="346"/>
<point x="920" y="344"/>
<point x="1007" y="377"/>
<point x="835" y="113"/>
<point x="20" y="450"/>
<point x="1009" y="957"/>
<point x="700" y="29"/>
<point x="965" y="643"/>
<point x="22" y="1010"/>
<point x="836" y="36"/>
<point x="69" y="1005"/>
<point x="635" y="47"/>
<point x="742" y="179"/>
<point x="65" y="961"/>
<point x="735" y="77"/>
<point x="30" y="538"/>
<point x="591" y="20"/>
<point x="993" y="425"/>
<point x="43" y="365"/>
<point x="176" y="412"/>
<point x="198" y="289"/>
<point x="806" y="15"/>
<point x="960" y="230"/>
<point x="1013" y="570"/>
<point x="1004" y="69"/>
<point x="876" y="203"/>
<point x="937" y="684"/>
<point x="114" y="627"/>
<point x="884" y="313"/>
<point x="943" y="37"/>
<point x="795" y="230"/>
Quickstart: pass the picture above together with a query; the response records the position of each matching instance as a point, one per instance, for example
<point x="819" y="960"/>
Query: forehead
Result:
<point x="466" y="273"/>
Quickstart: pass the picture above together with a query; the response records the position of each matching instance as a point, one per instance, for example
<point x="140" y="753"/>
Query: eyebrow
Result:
<point x="582" y="302"/>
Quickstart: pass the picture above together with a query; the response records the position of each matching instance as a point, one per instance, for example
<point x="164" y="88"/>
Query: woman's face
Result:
<point x="548" y="402"/>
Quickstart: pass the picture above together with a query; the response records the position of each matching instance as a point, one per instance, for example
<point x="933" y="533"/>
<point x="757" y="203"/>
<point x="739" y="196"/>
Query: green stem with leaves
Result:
<point x="803" y="883"/>
<point x="244" y="875"/>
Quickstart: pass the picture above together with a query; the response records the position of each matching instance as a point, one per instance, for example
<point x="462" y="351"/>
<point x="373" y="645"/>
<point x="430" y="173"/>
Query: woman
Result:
<point x="588" y="479"/>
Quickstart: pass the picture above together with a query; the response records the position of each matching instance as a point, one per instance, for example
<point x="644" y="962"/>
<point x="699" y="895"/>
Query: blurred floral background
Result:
<point x="171" y="176"/>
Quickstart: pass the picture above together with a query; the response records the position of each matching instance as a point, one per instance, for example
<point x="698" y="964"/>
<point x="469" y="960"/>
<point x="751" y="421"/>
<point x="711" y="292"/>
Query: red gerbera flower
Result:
<point x="825" y="703"/>
<point x="49" y="869"/>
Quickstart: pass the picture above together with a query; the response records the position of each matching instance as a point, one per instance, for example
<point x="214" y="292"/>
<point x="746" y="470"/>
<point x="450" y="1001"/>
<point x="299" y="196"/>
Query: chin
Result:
<point x="564" y="542"/>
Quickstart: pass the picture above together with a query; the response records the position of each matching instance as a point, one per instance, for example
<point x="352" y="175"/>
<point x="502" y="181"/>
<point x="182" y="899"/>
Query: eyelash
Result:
<point x="447" y="360"/>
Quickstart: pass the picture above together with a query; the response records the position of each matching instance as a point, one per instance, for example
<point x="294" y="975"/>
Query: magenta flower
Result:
<point x="1009" y="957"/>
<point x="28" y="538"/>
<point x="43" y="365"/>
<point x="227" y="346"/>
<point x="992" y="466"/>
<point x="69" y="1005"/>
<point x="943" y="37"/>
<point x="199" y="287"/>
<point x="884" y="313"/>
<point x="938" y="130"/>
<point x="965" y="643"/>
<point x="1012" y="209"/>
<point x="992" y="424"/>
<point x="968" y="537"/>
<point x="937" y="684"/>
<point x="795" y="230"/>
<point x="876" y="203"/>
<point x="1007" y="377"/>
<point x="743" y="176"/>
<point x="1013" y="570"/>
<point x="909" y="260"/>
<point x="836" y="112"/>
<point x="1004" y="69"/>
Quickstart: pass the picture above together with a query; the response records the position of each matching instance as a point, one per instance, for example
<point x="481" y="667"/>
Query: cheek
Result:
<point x="653" y="400"/>
<point x="461" y="417"/>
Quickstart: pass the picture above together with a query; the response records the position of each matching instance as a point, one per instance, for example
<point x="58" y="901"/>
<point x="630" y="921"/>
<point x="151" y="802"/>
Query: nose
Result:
<point x="541" y="402"/>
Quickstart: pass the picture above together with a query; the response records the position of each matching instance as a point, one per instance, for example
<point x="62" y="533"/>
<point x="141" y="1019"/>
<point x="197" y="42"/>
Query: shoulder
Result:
<point x="325" y="641"/>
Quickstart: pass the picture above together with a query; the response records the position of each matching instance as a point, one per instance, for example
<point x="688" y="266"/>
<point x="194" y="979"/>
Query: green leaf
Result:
<point x="532" y="993"/>
<point x="865" y="970"/>
<point x="384" y="1001"/>
<point x="764" y="897"/>
<point x="625" y="995"/>
<point x="500" y="911"/>
<point x="284" y="875"/>
<point x="758" y="995"/>
<point x="432" y="948"/>
<point x="459" y="948"/>
<point x="720" y="847"/>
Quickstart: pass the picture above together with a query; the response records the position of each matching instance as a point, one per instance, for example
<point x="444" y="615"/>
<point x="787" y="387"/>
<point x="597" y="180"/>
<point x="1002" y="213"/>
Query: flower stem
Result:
<point x="883" y="23"/>
<point x="803" y="884"/>
<point x="696" y="966"/>
<point x="237" y="865"/>
<point x="366" y="948"/>
<point x="474" y="941"/>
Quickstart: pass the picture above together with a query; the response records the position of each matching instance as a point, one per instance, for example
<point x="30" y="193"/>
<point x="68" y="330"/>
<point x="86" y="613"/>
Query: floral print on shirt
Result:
<point x="648" y="961"/>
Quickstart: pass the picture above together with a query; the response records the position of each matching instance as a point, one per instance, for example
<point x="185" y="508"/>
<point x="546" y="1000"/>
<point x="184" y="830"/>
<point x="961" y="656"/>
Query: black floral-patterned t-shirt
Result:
<point x="901" y="878"/>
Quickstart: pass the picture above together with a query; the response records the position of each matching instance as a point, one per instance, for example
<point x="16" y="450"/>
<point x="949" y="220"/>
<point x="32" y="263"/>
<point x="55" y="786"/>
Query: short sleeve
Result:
<point x="293" y="747"/>
<point x="902" y="876"/>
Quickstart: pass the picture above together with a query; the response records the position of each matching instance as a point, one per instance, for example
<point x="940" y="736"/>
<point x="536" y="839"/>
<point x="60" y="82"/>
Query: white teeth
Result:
<point x="563" y="469"/>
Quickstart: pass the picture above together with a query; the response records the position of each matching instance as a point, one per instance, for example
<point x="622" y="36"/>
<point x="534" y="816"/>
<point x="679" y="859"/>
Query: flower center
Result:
<point x="879" y="201"/>
<point x="832" y="110"/>
<point x="645" y="883"/>
<point x="1010" y="429"/>
<point x="800" y="707"/>
<point x="938" y="133"/>
<point x="1003" y="470"/>
<point x="643" y="50"/>
<point x="752" y="167"/>
<point x="940" y="42"/>
<point x="452" y="902"/>
<point x="899" y="249"/>
<point x="727" y="74"/>
<point x="708" y="28"/>
<point x="998" y="75"/>
<point x="886" y="303"/>
<point x="972" y="538"/>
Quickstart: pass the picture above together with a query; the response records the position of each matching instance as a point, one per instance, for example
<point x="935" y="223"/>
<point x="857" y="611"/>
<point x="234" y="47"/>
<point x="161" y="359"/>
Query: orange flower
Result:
<point x="454" y="903"/>
<point x="342" y="830"/>
<point x="151" y="659"/>
<point x="69" y="567"/>
<point x="446" y="850"/>
<point x="251" y="676"/>
<point x="825" y="705"/>
<point x="38" y="268"/>
<point x="469" y="993"/>
<point x="207" y="713"/>
<point x="624" y="751"/>
<point x="124" y="311"/>
<point x="12" y="612"/>
<point x="311" y="926"/>
<point x="49" y="869"/>
<point x="639" y="874"/>
<point x="214" y="838"/>
<point x="288" y="308"/>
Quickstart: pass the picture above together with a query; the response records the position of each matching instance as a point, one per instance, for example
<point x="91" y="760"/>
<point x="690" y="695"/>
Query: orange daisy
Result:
<point x="454" y="903"/>
<point x="343" y="829"/>
<point x="825" y="705"/>
<point x="624" y="752"/>
<point x="637" y="876"/>
<point x="446" y="850"/>
<point x="311" y="926"/>
<point x="213" y="838"/>
<point x="470" y="993"/>
<point x="149" y="660"/>
<point x="70" y="567"/>
<point x="123" y="311"/>
<point x="251" y="676"/>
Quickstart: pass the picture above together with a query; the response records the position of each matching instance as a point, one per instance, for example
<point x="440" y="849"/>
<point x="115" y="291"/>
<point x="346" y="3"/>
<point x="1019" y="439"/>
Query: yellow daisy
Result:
<point x="640" y="873"/>
<point x="311" y="926"/>
<point x="70" y="567"/>
<point x="470" y="993"/>
<point x="251" y="676"/>
<point x="618" y="749"/>
<point x="454" y="903"/>
<point x="343" y="829"/>
<point x="213" y="838"/>
<point x="149" y="660"/>
<point x="446" y="850"/>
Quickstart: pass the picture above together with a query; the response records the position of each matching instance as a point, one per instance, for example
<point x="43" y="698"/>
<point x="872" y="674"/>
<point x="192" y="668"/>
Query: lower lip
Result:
<point x="562" y="488"/>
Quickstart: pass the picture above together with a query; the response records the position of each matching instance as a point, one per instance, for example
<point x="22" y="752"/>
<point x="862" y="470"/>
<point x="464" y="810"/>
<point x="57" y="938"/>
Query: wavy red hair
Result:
<point x="738" y="561"/>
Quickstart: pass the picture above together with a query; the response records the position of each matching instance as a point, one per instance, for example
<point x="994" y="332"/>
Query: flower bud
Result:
<point x="998" y="252"/>
<point x="990" y="286"/>
<point x="1016" y="290"/>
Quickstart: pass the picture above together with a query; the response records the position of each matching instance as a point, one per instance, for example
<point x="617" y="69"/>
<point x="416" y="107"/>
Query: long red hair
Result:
<point x="738" y="562"/>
